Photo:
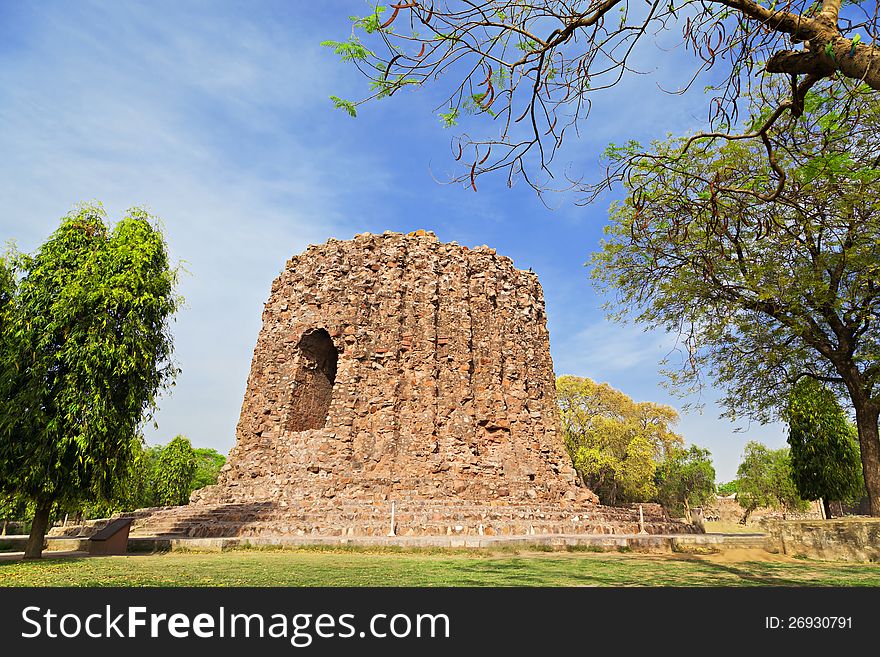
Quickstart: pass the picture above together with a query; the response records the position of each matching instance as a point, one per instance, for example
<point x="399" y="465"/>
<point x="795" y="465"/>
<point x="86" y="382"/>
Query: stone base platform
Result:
<point x="654" y="543"/>
<point x="855" y="538"/>
<point x="411" y="518"/>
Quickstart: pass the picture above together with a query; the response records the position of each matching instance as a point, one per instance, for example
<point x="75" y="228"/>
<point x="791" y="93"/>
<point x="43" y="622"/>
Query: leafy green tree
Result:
<point x="11" y="503"/>
<point x="764" y="479"/>
<point x="762" y="291"/>
<point x="727" y="488"/>
<point x="143" y="484"/>
<point x="129" y="488"/>
<point x="614" y="442"/>
<point x="824" y="448"/>
<point x="175" y="472"/>
<point x="685" y="479"/>
<point x="85" y="350"/>
<point x="137" y="488"/>
<point x="12" y="507"/>
<point x="527" y="70"/>
<point x="208" y="465"/>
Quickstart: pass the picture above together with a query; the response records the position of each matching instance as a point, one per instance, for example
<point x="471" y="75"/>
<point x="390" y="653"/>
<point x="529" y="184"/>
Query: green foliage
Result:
<point x="352" y="50"/>
<point x="175" y="472"/>
<point x="135" y="488"/>
<point x="764" y="479"/>
<point x="760" y="290"/>
<point x="685" y="479"/>
<point x="12" y="507"/>
<point x="824" y="448"/>
<point x="143" y="484"/>
<point x="526" y="45"/>
<point x="85" y="350"/>
<point x="139" y="489"/>
<point x="450" y="118"/>
<point x="385" y="85"/>
<point x="208" y="465"/>
<point x="614" y="442"/>
<point x="728" y="488"/>
<point x="349" y="107"/>
<point x="348" y="51"/>
<point x="477" y="104"/>
<point x="371" y="23"/>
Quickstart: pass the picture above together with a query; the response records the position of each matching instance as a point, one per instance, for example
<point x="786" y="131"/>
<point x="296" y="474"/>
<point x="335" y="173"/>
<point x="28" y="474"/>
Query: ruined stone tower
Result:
<point x="399" y="387"/>
<point x="398" y="367"/>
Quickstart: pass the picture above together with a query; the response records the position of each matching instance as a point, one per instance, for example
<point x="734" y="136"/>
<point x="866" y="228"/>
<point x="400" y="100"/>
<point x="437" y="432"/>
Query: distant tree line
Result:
<point x="822" y="461"/>
<point x="157" y="476"/>
<point x="162" y="476"/>
<point x="764" y="479"/>
<point x="626" y="451"/>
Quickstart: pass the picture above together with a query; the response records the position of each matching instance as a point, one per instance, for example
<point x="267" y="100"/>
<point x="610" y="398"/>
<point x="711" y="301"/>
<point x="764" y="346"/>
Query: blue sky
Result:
<point x="215" y="116"/>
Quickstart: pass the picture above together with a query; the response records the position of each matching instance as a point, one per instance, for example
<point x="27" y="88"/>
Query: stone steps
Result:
<point x="412" y="518"/>
<point x="218" y="530"/>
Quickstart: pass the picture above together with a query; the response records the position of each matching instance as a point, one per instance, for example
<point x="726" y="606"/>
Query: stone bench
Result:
<point x="112" y="539"/>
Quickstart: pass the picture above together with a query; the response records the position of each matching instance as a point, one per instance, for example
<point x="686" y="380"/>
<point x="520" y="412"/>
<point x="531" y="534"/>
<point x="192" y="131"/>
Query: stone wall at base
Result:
<point x="843" y="539"/>
<point x="729" y="510"/>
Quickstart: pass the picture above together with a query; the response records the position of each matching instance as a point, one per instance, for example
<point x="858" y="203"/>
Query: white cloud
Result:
<point x="133" y="109"/>
<point x="604" y="349"/>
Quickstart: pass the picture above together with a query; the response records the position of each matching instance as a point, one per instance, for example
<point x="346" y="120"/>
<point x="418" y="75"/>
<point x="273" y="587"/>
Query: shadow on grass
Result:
<point x="751" y="578"/>
<point x="349" y="568"/>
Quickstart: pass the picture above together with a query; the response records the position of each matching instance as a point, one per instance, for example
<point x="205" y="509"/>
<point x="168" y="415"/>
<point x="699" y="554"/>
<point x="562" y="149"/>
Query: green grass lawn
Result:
<point x="345" y="567"/>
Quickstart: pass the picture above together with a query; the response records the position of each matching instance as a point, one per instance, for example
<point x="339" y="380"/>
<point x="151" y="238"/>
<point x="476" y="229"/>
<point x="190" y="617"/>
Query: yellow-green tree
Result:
<point x="614" y="442"/>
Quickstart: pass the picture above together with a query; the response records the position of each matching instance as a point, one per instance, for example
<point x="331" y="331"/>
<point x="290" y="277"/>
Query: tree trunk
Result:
<point x="5" y="525"/>
<point x="34" y="549"/>
<point x="746" y="515"/>
<point x="827" y="506"/>
<point x="869" y="443"/>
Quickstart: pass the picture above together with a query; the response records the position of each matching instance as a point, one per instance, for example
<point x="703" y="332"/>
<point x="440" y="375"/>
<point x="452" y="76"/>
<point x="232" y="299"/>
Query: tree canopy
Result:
<point x="685" y="479"/>
<point x="762" y="291"/>
<point x="614" y="442"/>
<point x="764" y="479"/>
<point x="824" y="448"/>
<point x="532" y="67"/>
<point x="152" y="480"/>
<point x="208" y="464"/>
<point x="175" y="471"/>
<point x="85" y="350"/>
<point x="726" y="488"/>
